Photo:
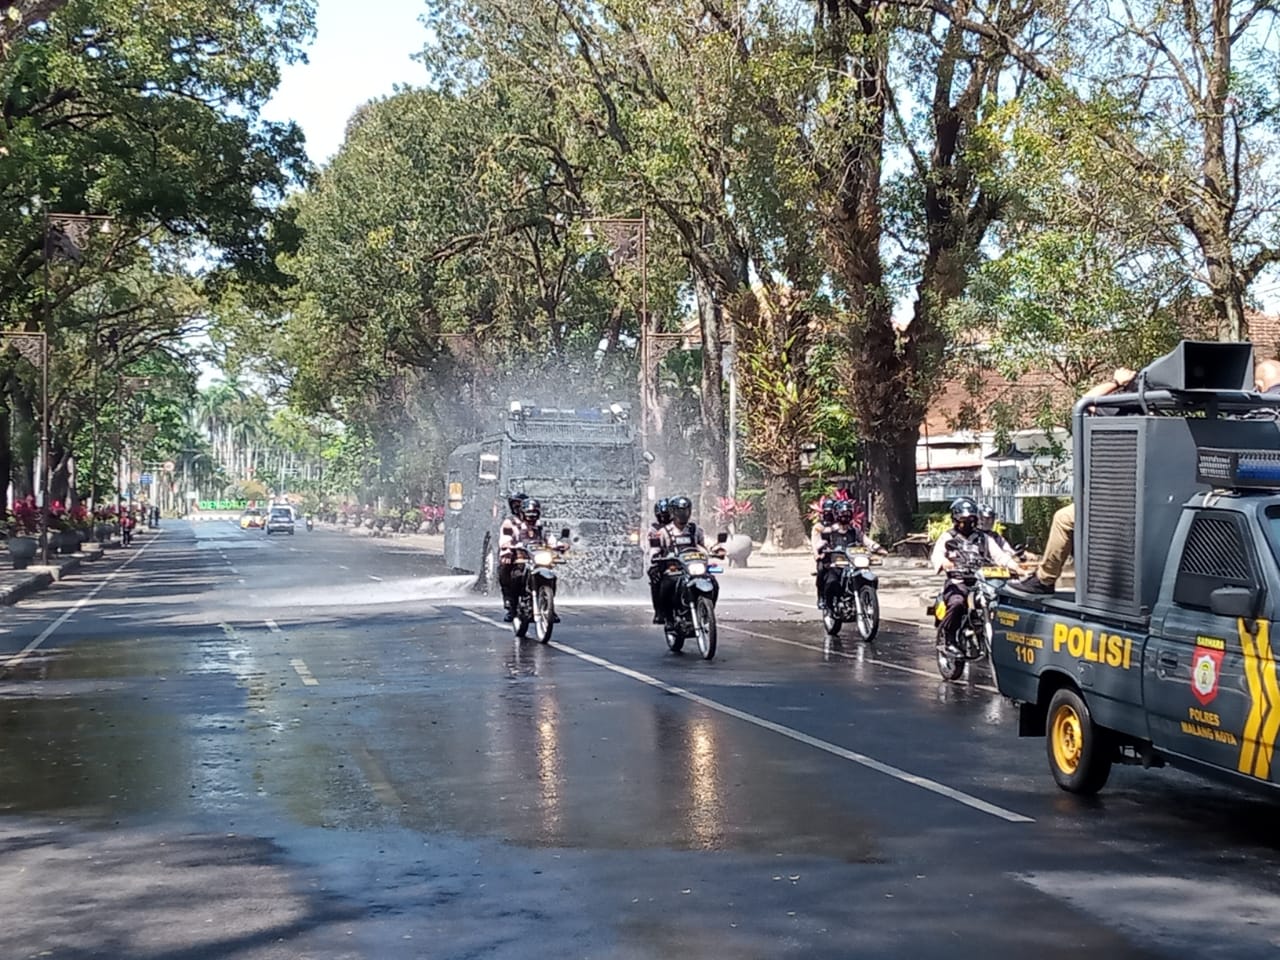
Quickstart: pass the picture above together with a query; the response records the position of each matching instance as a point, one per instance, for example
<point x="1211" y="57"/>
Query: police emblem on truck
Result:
<point x="1206" y="665"/>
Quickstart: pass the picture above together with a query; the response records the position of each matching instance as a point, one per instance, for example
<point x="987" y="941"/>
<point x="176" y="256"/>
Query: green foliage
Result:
<point x="1037" y="517"/>
<point x="151" y="120"/>
<point x="936" y="526"/>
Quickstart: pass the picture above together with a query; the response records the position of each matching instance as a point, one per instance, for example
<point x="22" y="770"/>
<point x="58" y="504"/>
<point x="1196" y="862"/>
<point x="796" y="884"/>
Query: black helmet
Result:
<point x="964" y="513"/>
<point x="515" y="501"/>
<point x="681" y="509"/>
<point x="662" y="511"/>
<point x="531" y="511"/>
<point x="987" y="517"/>
<point x="828" y="510"/>
<point x="842" y="511"/>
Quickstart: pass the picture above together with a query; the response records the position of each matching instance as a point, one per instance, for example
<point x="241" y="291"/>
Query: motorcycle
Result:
<point x="858" y="601"/>
<point x="310" y="523"/>
<point x="533" y="566"/>
<point x="973" y="640"/>
<point x="695" y="608"/>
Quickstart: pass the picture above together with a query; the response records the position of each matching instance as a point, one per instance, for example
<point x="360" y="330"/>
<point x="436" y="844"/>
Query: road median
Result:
<point x="18" y="585"/>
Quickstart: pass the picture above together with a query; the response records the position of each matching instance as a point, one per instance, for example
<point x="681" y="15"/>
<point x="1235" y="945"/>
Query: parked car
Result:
<point x="280" y="520"/>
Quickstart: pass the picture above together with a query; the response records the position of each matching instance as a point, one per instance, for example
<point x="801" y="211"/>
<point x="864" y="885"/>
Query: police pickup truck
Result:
<point x="1163" y="654"/>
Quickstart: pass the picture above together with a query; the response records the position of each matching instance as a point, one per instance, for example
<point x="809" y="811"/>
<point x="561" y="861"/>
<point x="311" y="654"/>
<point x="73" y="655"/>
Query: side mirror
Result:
<point x="655" y="542"/>
<point x="564" y="533"/>
<point x="648" y="457"/>
<point x="1234" y="602"/>
<point x="721" y="537"/>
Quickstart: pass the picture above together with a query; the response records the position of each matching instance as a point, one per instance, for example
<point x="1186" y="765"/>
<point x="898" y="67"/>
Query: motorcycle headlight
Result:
<point x="696" y="568"/>
<point x="544" y="558"/>
<point x="861" y="562"/>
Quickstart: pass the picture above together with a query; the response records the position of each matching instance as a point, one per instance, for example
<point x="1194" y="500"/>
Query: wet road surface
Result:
<point x="323" y="746"/>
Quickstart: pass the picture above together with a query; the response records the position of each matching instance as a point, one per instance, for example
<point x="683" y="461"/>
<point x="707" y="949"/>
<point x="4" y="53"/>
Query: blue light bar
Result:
<point x="1238" y="469"/>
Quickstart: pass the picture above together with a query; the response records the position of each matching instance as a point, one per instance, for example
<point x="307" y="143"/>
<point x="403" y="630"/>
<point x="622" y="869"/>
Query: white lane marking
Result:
<point x="273" y="626"/>
<point x="233" y="570"/>
<point x="17" y="658"/>
<point x="343" y="566"/>
<point x="850" y="656"/>
<point x="301" y="669"/>
<point x="372" y="577"/>
<point x="376" y="774"/>
<point x="951" y="793"/>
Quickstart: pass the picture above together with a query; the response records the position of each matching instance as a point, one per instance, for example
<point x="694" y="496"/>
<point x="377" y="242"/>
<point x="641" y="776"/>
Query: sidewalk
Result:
<point x="16" y="585"/>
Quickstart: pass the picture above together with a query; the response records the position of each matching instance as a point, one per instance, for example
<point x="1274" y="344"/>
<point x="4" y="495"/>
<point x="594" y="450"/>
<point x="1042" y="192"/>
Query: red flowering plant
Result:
<point x="729" y="511"/>
<point x="25" y="518"/>
<point x="78" y="518"/>
<point x="58" y="519"/>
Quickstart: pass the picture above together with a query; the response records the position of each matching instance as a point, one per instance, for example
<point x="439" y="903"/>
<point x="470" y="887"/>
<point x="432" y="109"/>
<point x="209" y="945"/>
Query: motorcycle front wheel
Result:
<point x="832" y="624"/>
<point x="950" y="666"/>
<point x="868" y="601"/>
<point x="522" y="618"/>
<point x="704" y="625"/>
<point x="675" y="640"/>
<point x="543" y="605"/>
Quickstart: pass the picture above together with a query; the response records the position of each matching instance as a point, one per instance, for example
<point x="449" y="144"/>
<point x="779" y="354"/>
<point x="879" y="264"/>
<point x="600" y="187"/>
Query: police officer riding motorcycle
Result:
<point x="847" y="589"/>
<point x="688" y="589"/>
<point x="661" y="517"/>
<point x="973" y="562"/>
<point x="532" y="575"/>
<point x="506" y="541"/>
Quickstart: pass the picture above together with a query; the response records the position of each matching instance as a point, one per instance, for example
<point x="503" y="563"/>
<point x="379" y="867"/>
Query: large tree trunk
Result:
<point x="894" y="500"/>
<point x="784" y="518"/>
<point x="6" y="454"/>
<point x="25" y="422"/>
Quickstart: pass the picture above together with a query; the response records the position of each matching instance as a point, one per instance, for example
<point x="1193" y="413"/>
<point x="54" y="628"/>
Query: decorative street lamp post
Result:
<point x="126" y="386"/>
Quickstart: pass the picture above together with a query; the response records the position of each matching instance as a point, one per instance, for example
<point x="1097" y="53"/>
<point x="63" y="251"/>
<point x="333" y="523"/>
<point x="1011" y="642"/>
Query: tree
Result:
<point x="153" y="120"/>
<point x="1164" y="90"/>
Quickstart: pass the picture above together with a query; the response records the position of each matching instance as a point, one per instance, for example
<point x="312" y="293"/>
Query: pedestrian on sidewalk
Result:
<point x="127" y="523"/>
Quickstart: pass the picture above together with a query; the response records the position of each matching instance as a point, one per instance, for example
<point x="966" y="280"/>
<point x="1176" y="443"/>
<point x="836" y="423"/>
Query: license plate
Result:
<point x="995" y="573"/>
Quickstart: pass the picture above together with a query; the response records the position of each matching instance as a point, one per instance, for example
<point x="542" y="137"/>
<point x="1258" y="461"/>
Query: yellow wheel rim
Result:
<point x="1068" y="739"/>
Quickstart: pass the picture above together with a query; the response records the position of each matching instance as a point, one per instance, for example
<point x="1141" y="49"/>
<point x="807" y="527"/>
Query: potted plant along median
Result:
<point x="24" y="526"/>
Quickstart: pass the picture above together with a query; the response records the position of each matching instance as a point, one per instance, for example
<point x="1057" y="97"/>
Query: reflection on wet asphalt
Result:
<point x="316" y="763"/>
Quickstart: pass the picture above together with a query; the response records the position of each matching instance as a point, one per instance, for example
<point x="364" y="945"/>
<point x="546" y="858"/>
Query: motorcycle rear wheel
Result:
<point x="543" y="605"/>
<point x="704" y="626"/>
<point x="950" y="666"/>
<point x="868" y="613"/>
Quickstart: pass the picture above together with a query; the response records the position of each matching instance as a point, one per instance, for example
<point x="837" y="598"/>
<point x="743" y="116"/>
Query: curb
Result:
<point x="37" y="578"/>
<point x="20" y="591"/>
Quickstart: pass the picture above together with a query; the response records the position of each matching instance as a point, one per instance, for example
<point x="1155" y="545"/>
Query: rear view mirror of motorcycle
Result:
<point x="655" y="542"/>
<point x="564" y="533"/>
<point x="721" y="537"/>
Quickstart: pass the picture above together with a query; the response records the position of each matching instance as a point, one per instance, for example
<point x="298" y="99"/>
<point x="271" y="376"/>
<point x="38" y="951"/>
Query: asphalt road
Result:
<point x="323" y="746"/>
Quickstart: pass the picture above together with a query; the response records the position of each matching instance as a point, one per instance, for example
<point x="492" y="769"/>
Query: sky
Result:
<point x="361" y="51"/>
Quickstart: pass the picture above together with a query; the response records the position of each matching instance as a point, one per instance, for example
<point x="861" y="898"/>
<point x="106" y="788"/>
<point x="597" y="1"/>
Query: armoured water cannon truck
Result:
<point x="585" y="467"/>
<point x="1162" y="654"/>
